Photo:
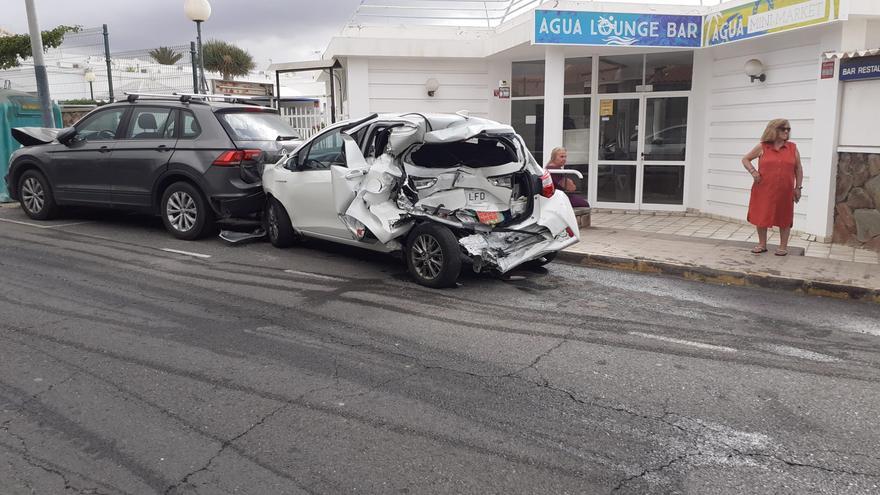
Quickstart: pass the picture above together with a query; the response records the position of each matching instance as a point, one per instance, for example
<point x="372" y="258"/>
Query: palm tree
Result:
<point x="227" y="59"/>
<point x="165" y="55"/>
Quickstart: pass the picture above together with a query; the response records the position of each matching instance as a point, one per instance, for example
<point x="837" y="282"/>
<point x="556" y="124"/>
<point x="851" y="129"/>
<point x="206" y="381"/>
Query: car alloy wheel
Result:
<point x="278" y="225"/>
<point x="32" y="195"/>
<point x="427" y="256"/>
<point x="182" y="211"/>
<point x="433" y="256"/>
<point x="272" y="223"/>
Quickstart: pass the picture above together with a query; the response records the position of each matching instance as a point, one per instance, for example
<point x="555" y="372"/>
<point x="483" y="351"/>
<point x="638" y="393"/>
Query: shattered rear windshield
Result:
<point x="475" y="153"/>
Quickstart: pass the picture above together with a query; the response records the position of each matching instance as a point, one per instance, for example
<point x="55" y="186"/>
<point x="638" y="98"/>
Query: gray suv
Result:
<point x="190" y="160"/>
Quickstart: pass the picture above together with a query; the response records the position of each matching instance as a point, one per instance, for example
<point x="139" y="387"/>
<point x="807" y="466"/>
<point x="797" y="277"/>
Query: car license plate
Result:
<point x="476" y="197"/>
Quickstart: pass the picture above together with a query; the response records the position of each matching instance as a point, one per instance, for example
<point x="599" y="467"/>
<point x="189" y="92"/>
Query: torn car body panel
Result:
<point x="471" y="175"/>
<point x="33" y="136"/>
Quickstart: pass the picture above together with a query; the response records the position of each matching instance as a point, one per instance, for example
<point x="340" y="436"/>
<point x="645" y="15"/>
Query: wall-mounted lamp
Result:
<point x="431" y="86"/>
<point x="755" y="70"/>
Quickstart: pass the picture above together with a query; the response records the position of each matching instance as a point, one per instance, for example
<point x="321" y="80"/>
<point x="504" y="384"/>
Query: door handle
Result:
<point x="104" y="149"/>
<point x="162" y="147"/>
<point x="355" y="174"/>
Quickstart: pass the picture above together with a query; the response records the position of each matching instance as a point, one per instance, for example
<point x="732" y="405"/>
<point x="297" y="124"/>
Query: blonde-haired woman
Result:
<point x="776" y="186"/>
<point x="558" y="159"/>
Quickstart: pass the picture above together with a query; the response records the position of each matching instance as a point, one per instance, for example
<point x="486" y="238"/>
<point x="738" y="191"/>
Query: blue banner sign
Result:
<point x="854" y="69"/>
<point x="617" y="29"/>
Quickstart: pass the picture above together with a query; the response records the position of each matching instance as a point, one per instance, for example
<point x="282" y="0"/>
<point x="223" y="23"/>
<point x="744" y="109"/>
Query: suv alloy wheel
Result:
<point x="185" y="212"/>
<point x="35" y="196"/>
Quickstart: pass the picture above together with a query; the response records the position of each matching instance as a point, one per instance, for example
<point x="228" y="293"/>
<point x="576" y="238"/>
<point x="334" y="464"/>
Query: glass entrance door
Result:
<point x="619" y="150"/>
<point x="663" y="152"/>
<point x="642" y="146"/>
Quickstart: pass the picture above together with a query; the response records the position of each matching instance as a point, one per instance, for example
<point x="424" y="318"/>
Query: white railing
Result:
<point x="306" y="120"/>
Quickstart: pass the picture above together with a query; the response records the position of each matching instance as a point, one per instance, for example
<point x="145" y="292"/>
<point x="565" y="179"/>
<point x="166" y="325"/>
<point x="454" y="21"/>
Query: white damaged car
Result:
<point x="445" y="190"/>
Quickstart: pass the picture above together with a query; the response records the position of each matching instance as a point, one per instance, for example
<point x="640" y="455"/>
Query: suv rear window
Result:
<point x="257" y="126"/>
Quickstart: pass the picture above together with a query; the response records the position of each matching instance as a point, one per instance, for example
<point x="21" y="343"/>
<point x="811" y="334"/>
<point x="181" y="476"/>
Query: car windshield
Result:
<point x="257" y="126"/>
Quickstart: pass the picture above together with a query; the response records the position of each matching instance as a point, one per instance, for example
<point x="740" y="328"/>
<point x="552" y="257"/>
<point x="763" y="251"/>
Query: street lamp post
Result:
<point x="90" y="77"/>
<point x="199" y="11"/>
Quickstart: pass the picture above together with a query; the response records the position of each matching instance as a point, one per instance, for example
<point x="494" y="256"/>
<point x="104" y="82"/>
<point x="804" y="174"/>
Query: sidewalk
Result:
<point x="711" y="250"/>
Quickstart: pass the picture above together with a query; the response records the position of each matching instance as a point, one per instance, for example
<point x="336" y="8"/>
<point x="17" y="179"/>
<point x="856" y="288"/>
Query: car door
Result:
<point x="307" y="192"/>
<point x="78" y="171"/>
<point x="363" y="190"/>
<point x="142" y="154"/>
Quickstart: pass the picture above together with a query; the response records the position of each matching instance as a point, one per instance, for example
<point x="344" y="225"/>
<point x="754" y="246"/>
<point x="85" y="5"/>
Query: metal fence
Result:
<point x="154" y="70"/>
<point x="66" y="67"/>
<point x="78" y="71"/>
<point x="161" y="69"/>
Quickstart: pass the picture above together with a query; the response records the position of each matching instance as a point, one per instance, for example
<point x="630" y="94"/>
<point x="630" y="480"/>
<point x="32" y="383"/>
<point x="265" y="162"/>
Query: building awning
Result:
<point x="305" y="65"/>
<point x="330" y="64"/>
<point x="851" y="54"/>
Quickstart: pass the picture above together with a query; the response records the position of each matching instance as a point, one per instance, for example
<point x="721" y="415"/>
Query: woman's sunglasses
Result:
<point x="784" y="129"/>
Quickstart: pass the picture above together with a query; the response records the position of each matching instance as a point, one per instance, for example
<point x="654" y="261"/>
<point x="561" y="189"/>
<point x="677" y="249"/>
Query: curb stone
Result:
<point x="723" y="277"/>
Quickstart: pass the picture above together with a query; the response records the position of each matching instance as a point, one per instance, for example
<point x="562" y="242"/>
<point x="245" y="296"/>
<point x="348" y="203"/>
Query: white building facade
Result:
<point x="652" y="102"/>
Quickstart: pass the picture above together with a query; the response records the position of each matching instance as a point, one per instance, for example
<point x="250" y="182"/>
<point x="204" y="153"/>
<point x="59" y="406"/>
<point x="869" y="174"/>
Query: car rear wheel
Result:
<point x="35" y="196"/>
<point x="185" y="212"/>
<point x="433" y="256"/>
<point x="278" y="226"/>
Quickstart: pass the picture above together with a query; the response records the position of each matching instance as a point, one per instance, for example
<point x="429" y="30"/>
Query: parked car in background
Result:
<point x="189" y="159"/>
<point x="445" y="190"/>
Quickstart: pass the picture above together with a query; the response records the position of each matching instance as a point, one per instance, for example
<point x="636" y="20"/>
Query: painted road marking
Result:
<point x="684" y="342"/>
<point x="197" y="255"/>
<point x="41" y="226"/>
<point x="315" y="275"/>
<point x="799" y="353"/>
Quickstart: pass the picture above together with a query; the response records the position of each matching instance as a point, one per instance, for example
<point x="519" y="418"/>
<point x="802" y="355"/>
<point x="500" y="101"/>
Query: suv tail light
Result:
<point x="233" y="158"/>
<point x="547" y="187"/>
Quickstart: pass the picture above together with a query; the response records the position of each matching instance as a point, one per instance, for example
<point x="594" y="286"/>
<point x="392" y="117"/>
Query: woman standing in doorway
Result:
<point x="777" y="184"/>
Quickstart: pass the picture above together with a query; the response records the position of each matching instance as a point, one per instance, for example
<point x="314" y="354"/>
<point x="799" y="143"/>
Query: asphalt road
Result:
<point x="127" y="368"/>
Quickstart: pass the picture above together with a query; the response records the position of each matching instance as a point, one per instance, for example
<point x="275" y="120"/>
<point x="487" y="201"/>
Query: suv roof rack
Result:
<point x="219" y="97"/>
<point x="247" y="100"/>
<point x="133" y="97"/>
<point x="194" y="97"/>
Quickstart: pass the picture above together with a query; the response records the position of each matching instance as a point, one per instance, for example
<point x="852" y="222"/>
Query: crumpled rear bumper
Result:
<point x="551" y="228"/>
<point x="244" y="204"/>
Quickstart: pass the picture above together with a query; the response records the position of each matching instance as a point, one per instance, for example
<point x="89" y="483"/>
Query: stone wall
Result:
<point x="857" y="208"/>
<point x="70" y="114"/>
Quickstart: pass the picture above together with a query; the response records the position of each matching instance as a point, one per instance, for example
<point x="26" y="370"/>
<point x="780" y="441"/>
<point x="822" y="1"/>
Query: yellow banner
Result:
<point x="761" y="17"/>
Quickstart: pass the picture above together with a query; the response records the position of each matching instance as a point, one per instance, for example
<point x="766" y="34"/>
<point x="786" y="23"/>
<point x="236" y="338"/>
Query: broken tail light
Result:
<point x="501" y="181"/>
<point x="233" y="158"/>
<point x="423" y="183"/>
<point x="547" y="187"/>
<point x="490" y="217"/>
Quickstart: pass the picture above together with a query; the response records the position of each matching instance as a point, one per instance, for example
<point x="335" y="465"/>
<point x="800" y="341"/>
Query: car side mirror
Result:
<point x="66" y="135"/>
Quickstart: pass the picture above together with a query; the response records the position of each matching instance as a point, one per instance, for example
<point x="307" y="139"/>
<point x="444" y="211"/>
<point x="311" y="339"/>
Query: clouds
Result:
<point x="283" y="30"/>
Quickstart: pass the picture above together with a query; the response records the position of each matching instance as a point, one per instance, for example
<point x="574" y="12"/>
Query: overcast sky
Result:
<point x="281" y="30"/>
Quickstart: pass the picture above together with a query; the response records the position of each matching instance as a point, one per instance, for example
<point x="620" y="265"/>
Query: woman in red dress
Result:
<point x="777" y="184"/>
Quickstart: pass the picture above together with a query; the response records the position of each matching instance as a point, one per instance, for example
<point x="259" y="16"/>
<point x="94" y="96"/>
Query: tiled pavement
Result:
<point x="692" y="225"/>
